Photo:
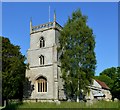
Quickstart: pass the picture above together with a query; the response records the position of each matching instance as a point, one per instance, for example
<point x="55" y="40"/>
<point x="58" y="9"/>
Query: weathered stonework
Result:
<point x="50" y="70"/>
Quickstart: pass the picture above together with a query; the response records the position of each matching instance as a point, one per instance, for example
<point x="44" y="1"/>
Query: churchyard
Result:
<point x="97" y="104"/>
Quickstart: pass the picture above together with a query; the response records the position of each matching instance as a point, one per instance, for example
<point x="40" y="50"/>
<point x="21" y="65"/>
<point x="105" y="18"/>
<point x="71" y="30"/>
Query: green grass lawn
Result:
<point x="99" y="104"/>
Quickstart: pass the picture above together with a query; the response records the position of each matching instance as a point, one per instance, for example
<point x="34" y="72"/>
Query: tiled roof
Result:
<point x="102" y="84"/>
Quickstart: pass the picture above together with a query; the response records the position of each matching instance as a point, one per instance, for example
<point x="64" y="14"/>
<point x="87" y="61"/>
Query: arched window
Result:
<point x="41" y="60"/>
<point x="42" y="42"/>
<point x="42" y="84"/>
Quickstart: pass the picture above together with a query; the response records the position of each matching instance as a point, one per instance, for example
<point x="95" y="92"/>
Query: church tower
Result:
<point x="42" y="57"/>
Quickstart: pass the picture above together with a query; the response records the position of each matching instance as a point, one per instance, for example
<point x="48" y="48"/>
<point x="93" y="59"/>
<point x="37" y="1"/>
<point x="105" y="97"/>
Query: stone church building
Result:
<point x="42" y="57"/>
<point x="43" y="74"/>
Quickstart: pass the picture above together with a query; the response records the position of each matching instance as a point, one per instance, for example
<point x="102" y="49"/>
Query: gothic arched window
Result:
<point x="41" y="60"/>
<point x="42" y="84"/>
<point x="42" y="42"/>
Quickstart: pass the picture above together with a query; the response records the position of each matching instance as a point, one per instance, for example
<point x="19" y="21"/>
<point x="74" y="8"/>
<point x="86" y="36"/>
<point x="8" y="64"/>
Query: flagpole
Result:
<point x="49" y="13"/>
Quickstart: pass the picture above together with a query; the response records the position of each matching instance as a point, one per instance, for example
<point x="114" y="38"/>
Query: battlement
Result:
<point x="46" y="26"/>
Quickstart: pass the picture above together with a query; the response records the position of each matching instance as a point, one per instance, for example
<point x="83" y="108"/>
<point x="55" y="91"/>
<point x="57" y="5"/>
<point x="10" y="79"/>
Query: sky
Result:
<point x="102" y="18"/>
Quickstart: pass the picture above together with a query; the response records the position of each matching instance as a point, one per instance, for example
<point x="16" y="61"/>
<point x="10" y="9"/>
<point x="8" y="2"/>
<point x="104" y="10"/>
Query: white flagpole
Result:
<point x="49" y="13"/>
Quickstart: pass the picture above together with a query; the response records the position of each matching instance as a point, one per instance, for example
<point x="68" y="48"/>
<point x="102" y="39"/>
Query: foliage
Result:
<point x="13" y="70"/>
<point x="111" y="76"/>
<point x="77" y="54"/>
<point x="110" y="72"/>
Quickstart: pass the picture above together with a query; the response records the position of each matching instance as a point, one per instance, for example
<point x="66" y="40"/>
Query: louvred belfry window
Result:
<point x="42" y="42"/>
<point x="41" y="60"/>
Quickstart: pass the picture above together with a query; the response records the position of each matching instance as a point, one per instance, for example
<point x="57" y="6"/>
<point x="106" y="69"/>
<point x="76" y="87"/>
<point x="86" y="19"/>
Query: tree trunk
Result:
<point x="78" y="91"/>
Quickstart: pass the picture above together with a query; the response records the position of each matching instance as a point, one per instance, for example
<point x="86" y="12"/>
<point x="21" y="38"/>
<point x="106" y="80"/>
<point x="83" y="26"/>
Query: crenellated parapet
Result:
<point x="46" y="26"/>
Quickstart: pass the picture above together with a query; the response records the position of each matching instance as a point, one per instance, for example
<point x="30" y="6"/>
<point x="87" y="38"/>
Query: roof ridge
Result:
<point x="103" y="84"/>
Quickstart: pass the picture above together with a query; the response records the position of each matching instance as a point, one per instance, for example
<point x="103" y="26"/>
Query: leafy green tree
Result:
<point x="110" y="72"/>
<point x="115" y="90"/>
<point x="111" y="76"/>
<point x="13" y="70"/>
<point x="77" y="55"/>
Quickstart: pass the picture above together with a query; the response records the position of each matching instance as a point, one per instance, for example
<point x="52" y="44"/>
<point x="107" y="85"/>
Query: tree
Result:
<point x="111" y="76"/>
<point x="13" y="70"/>
<point x="110" y="72"/>
<point x="77" y="56"/>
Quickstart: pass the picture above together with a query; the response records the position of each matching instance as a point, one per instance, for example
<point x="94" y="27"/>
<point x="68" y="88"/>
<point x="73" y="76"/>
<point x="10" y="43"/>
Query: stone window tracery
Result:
<point x="42" y="84"/>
